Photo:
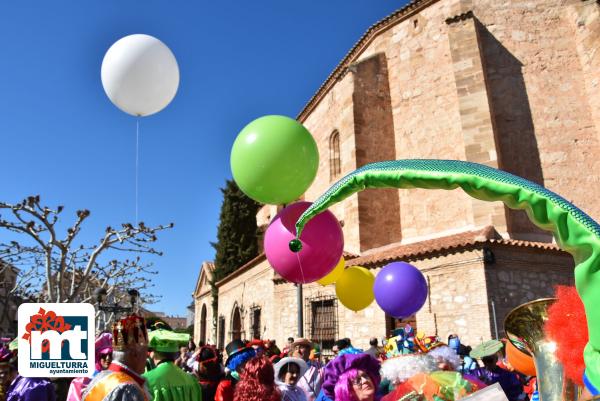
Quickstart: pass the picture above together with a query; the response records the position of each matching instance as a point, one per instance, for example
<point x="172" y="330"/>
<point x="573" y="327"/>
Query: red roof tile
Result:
<point x="436" y="245"/>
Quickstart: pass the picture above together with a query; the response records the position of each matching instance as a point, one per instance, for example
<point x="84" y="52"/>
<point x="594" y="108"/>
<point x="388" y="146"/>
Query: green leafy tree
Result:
<point x="236" y="236"/>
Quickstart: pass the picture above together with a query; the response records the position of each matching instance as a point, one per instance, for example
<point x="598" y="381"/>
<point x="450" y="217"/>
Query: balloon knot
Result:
<point x="295" y="245"/>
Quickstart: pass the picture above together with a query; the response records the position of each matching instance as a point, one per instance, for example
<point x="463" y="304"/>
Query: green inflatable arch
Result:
<point x="575" y="231"/>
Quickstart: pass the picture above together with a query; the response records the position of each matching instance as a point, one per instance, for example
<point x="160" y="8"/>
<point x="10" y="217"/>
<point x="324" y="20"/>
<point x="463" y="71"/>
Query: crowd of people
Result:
<point x="137" y="364"/>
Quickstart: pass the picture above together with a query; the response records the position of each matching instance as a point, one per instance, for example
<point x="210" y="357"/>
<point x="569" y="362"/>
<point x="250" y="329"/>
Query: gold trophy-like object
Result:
<point x="524" y="327"/>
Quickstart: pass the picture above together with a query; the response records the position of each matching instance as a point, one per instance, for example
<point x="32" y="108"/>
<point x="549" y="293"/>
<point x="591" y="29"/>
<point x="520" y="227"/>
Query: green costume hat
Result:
<point x="167" y="341"/>
<point x="487" y="348"/>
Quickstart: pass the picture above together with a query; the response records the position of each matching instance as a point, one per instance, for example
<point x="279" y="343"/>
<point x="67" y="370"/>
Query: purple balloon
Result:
<point x="322" y="244"/>
<point x="400" y="289"/>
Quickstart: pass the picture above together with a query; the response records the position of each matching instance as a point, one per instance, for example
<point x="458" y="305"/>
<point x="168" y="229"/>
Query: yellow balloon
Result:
<point x="335" y="274"/>
<point x="354" y="288"/>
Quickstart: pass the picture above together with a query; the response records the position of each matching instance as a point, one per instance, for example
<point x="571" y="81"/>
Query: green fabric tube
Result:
<point x="575" y="231"/>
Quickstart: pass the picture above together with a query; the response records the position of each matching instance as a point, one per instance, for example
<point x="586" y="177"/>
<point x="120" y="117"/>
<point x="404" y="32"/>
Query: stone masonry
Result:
<point x="511" y="84"/>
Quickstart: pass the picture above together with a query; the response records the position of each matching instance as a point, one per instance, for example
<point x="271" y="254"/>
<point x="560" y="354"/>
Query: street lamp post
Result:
<point x="100" y="295"/>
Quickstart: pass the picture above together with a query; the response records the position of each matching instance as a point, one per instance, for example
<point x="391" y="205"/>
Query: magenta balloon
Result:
<point x="400" y="289"/>
<point x="322" y="244"/>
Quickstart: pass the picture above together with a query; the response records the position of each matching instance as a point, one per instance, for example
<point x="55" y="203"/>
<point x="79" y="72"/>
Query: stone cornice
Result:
<point x="460" y="17"/>
<point x="242" y="269"/>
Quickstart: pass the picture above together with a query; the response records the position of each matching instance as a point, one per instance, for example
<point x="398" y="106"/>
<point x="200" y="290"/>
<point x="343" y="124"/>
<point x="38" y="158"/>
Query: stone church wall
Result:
<point x="521" y="275"/>
<point x="488" y="86"/>
<point x="538" y="92"/>
<point x="206" y="302"/>
<point x="254" y="287"/>
<point x="510" y="84"/>
<point x="457" y="301"/>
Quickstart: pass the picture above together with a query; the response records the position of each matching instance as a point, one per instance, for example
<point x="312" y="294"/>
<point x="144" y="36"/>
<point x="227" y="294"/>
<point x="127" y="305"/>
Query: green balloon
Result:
<point x="274" y="159"/>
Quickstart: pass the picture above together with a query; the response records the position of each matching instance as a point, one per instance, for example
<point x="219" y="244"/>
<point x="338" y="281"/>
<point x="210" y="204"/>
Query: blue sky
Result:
<point x="61" y="138"/>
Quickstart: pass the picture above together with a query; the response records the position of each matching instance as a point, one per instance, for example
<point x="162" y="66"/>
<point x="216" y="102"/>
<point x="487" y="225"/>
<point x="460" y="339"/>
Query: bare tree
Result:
<point x="53" y="268"/>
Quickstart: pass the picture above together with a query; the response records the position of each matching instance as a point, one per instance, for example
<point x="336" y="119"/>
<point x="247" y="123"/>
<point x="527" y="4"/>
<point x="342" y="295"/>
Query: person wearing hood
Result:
<point x="288" y="372"/>
<point x="168" y="382"/>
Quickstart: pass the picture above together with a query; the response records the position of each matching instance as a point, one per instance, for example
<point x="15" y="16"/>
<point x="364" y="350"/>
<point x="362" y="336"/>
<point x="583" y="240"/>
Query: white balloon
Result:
<point x="140" y="75"/>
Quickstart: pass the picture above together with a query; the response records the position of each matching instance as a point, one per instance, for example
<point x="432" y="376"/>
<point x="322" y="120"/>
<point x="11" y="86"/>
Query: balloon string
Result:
<point x="300" y="264"/>
<point x="137" y="163"/>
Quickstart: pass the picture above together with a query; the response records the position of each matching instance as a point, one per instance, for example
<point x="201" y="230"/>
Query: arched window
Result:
<point x="236" y="324"/>
<point x="335" y="168"/>
<point x="203" y="324"/>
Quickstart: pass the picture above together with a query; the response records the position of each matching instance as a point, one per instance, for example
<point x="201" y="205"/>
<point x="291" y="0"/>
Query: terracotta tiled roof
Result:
<point x="421" y="249"/>
<point x="349" y="255"/>
<point x="436" y="245"/>
<point x="413" y="7"/>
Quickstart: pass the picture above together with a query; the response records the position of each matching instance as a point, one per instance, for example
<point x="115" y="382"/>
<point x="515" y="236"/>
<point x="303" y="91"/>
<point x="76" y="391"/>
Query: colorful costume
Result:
<point x="30" y="389"/>
<point x="574" y="231"/>
<point x="103" y="347"/>
<point x="168" y="382"/>
<point x="237" y="355"/>
<point x="206" y="366"/>
<point x="290" y="392"/>
<point x="119" y="382"/>
<point x="343" y="363"/>
<point x="311" y="381"/>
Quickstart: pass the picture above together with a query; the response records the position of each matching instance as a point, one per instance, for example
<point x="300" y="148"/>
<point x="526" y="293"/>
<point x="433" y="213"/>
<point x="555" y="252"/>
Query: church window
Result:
<point x="255" y="331"/>
<point x="335" y="167"/>
<point x="321" y="311"/>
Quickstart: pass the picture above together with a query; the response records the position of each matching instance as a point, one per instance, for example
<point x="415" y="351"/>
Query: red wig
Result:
<point x="567" y="326"/>
<point x="257" y="383"/>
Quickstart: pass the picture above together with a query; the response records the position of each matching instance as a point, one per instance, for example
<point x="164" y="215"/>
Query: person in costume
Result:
<point x="122" y="381"/>
<point x="287" y="373"/>
<point x="237" y="356"/>
<point x="208" y="371"/>
<point x="5" y="356"/>
<point x="423" y="368"/>
<point x="314" y="358"/>
<point x="103" y="355"/>
<point x="168" y="382"/>
<point x="258" y="345"/>
<point x="311" y="381"/>
<point x="183" y="357"/>
<point x="492" y="373"/>
<point x="19" y="388"/>
<point x="351" y="377"/>
<point x="257" y="382"/>
<point x="467" y="365"/>
<point x="271" y="348"/>
<point x="151" y="325"/>
<point x="373" y="350"/>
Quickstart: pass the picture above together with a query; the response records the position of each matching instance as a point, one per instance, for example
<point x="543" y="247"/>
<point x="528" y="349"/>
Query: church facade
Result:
<point x="513" y="85"/>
